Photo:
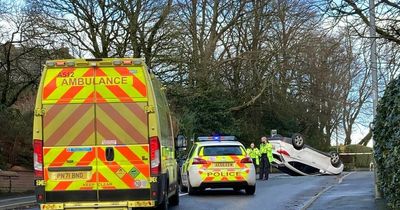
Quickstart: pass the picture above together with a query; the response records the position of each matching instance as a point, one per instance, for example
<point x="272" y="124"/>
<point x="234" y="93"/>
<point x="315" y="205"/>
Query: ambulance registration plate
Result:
<point x="223" y="164"/>
<point x="70" y="175"/>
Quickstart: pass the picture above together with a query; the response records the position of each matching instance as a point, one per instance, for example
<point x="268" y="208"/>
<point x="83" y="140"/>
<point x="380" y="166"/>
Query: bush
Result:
<point x="387" y="146"/>
<point x="15" y="138"/>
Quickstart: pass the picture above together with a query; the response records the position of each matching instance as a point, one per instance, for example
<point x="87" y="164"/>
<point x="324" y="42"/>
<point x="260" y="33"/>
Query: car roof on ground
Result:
<point x="219" y="143"/>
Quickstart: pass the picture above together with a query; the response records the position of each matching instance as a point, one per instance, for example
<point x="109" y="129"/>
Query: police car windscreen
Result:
<point x="221" y="150"/>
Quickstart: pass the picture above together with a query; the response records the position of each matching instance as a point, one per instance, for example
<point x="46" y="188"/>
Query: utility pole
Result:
<point x="374" y="73"/>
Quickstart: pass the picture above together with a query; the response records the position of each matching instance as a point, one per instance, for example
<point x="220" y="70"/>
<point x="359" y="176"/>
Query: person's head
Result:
<point x="264" y="139"/>
<point x="252" y="145"/>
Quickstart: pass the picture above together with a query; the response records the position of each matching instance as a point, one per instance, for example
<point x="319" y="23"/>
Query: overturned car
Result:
<point x="293" y="157"/>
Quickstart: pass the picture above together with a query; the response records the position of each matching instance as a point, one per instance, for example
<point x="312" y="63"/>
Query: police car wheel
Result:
<point x="237" y="189"/>
<point x="250" y="190"/>
<point x="183" y="188"/>
<point x="191" y="190"/>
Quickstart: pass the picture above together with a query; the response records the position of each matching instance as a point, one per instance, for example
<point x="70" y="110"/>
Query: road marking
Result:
<point x="17" y="205"/>
<point x="341" y="178"/>
<point x="19" y="198"/>
<point x="314" y="198"/>
<point x="182" y="194"/>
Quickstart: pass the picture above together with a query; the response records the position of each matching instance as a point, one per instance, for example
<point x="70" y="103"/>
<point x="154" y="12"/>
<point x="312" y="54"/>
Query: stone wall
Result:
<point x="16" y="181"/>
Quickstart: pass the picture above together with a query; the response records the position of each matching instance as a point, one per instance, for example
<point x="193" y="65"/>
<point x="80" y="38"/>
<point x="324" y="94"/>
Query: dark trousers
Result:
<point x="264" y="167"/>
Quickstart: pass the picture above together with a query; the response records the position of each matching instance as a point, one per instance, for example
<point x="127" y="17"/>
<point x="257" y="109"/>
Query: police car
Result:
<point x="218" y="162"/>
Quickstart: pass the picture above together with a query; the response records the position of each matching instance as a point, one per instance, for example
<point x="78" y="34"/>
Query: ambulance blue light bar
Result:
<point x="217" y="138"/>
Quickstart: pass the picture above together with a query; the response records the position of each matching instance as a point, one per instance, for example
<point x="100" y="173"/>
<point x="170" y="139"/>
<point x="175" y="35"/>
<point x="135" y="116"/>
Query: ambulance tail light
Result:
<point x="246" y="160"/>
<point x="155" y="162"/>
<point x="199" y="161"/>
<point x="38" y="158"/>
<point x="283" y="152"/>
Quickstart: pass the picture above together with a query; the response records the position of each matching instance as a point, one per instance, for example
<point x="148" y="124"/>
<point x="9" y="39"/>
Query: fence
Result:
<point x="354" y="161"/>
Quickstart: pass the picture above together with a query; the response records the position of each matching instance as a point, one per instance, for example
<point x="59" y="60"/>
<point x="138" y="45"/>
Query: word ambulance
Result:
<point x="94" y="81"/>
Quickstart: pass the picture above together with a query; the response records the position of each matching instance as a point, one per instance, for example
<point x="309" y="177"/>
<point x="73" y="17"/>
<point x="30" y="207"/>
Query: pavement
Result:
<point x="354" y="190"/>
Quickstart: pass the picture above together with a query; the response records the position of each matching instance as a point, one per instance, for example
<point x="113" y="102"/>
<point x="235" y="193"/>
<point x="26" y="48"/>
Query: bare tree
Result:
<point x="90" y="26"/>
<point x="144" y="25"/>
<point x="206" y="22"/>
<point x="22" y="52"/>
<point x="386" y="16"/>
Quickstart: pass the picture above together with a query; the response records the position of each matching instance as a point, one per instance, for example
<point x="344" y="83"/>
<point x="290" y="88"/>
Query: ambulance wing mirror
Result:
<point x="181" y="142"/>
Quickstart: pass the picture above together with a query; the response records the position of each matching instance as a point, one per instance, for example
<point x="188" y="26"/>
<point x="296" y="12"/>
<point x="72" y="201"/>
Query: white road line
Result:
<point x="182" y="194"/>
<point x="19" y="198"/>
<point x="341" y="178"/>
<point x="16" y="205"/>
<point x="312" y="200"/>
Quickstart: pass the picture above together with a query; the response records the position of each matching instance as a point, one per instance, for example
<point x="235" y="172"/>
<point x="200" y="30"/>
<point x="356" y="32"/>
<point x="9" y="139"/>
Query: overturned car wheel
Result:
<point x="335" y="159"/>
<point x="297" y="141"/>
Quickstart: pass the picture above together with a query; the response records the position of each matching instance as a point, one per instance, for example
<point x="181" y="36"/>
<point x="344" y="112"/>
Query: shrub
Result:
<point x="387" y="143"/>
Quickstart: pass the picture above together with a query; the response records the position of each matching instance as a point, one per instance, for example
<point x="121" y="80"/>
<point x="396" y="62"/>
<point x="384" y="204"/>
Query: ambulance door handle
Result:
<point x="109" y="154"/>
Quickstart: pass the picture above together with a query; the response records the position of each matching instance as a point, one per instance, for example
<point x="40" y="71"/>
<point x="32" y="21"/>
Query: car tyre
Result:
<point x="183" y="188"/>
<point x="237" y="189"/>
<point x="250" y="190"/>
<point x="297" y="141"/>
<point x="174" y="200"/>
<point x="164" y="204"/>
<point x="335" y="159"/>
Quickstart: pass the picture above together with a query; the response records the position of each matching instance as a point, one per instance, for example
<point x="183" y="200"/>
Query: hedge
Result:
<point x="387" y="143"/>
<point x="352" y="162"/>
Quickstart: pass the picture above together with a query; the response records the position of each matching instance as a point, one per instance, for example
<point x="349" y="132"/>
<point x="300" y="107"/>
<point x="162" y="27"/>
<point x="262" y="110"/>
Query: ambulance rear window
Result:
<point x="222" y="150"/>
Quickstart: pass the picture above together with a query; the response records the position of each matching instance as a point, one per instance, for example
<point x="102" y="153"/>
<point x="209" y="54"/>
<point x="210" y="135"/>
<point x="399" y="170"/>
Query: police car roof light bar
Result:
<point x="217" y="138"/>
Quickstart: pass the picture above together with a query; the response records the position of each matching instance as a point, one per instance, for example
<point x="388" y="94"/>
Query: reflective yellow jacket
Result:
<point x="267" y="149"/>
<point x="254" y="154"/>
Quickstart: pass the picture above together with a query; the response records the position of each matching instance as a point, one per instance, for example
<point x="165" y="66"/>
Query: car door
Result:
<point x="69" y="133"/>
<point x="121" y="132"/>
<point x="186" y="164"/>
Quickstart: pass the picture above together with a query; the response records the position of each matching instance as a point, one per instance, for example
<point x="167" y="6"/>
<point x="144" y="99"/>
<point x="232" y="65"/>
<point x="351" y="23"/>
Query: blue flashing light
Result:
<point x="217" y="138"/>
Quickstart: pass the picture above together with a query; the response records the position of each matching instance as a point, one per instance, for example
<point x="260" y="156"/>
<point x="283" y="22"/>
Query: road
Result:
<point x="280" y="192"/>
<point x="289" y="193"/>
<point x="9" y="203"/>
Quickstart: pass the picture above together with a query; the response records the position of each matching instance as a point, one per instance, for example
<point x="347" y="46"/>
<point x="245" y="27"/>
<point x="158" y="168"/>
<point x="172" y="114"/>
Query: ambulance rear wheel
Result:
<point x="165" y="203"/>
<point x="174" y="200"/>
<point x="250" y="190"/>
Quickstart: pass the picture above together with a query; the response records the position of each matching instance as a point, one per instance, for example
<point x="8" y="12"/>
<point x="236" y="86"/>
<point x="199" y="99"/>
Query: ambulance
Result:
<point x="218" y="162"/>
<point x="103" y="137"/>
